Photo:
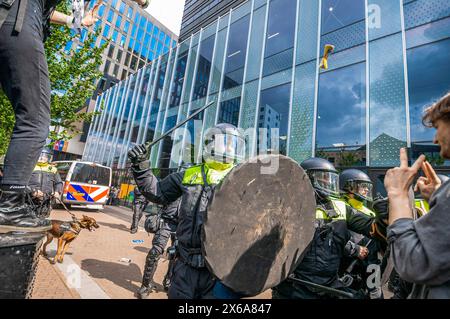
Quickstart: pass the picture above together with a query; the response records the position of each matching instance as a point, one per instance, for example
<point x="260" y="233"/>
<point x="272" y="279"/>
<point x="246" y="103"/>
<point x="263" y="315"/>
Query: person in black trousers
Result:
<point x="24" y="78"/>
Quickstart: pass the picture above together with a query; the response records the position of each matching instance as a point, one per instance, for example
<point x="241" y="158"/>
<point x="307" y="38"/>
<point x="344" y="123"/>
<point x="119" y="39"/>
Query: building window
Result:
<point x="106" y="68"/>
<point x="122" y="40"/>
<point x="229" y="111"/>
<point x="124" y="74"/>
<point x="276" y="101"/>
<point x="127" y="59"/>
<point x="142" y="22"/>
<point x="178" y="80"/>
<point x="115" y="35"/>
<point x="235" y="58"/>
<point x="341" y="115"/>
<point x="203" y="68"/>
<point x="280" y="36"/>
<point x="118" y="21"/>
<point x="110" y="15"/>
<point x="126" y="26"/>
<point x="122" y="7"/>
<point x="130" y="12"/>
<point x="111" y="51"/>
<point x="119" y="55"/>
<point x="133" y="31"/>
<point x="106" y="30"/>
<point x="428" y="82"/>
<point x="340" y="13"/>
<point x="116" y="71"/>
<point x="149" y="27"/>
<point x="133" y="64"/>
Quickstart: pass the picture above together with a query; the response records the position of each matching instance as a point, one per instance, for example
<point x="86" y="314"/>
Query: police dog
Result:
<point x="66" y="232"/>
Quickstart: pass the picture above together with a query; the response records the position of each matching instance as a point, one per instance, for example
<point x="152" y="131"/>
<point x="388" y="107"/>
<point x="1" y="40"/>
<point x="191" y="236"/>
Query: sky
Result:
<point x="168" y="12"/>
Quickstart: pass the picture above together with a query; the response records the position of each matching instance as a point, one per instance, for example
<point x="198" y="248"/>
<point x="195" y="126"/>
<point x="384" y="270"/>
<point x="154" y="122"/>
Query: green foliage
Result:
<point x="73" y="78"/>
<point x="349" y="159"/>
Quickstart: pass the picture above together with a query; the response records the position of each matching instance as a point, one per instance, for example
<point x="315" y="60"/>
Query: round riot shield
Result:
<point x="260" y="221"/>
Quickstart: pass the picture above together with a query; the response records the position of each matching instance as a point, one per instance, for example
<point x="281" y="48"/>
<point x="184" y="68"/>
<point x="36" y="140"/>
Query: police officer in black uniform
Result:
<point x="334" y="218"/>
<point x="139" y="205"/>
<point x="223" y="147"/>
<point x="167" y="228"/>
<point x="45" y="184"/>
<point x="357" y="188"/>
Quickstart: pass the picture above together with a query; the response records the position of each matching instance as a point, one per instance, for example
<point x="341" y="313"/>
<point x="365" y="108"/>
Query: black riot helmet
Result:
<point x="323" y="175"/>
<point x="358" y="183"/>
<point x="223" y="143"/>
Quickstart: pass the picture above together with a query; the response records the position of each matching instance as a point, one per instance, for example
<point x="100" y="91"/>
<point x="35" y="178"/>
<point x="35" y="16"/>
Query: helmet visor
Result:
<point x="226" y="148"/>
<point x="364" y="189"/>
<point x="326" y="181"/>
<point x="45" y="157"/>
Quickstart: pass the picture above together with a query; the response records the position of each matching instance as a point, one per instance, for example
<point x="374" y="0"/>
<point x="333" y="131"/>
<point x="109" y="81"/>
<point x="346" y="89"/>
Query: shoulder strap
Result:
<point x="205" y="180"/>
<point x="21" y="15"/>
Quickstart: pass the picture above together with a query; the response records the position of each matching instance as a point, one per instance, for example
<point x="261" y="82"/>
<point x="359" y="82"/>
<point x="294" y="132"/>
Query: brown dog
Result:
<point x="66" y="232"/>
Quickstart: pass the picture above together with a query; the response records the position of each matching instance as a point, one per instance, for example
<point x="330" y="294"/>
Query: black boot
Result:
<point x="17" y="216"/>
<point x="137" y="215"/>
<point x="151" y="263"/>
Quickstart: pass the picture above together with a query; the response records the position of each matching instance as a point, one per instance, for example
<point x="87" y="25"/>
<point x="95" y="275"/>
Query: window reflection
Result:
<point x="229" y="111"/>
<point x="341" y="116"/>
<point x="273" y="116"/>
<point x="428" y="81"/>
<point x="203" y="68"/>
<point x="237" y="49"/>
<point x="280" y="36"/>
<point x="157" y="98"/>
<point x="340" y="13"/>
<point x="178" y="80"/>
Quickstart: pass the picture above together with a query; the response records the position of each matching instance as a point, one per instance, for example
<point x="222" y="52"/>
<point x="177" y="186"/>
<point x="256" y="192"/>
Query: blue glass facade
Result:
<point x="259" y="65"/>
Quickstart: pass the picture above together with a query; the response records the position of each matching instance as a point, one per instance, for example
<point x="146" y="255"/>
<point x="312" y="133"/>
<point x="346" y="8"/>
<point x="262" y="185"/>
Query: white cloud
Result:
<point x="168" y="12"/>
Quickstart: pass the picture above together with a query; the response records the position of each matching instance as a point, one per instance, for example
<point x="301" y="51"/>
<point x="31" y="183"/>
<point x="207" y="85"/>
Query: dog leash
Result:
<point x="65" y="207"/>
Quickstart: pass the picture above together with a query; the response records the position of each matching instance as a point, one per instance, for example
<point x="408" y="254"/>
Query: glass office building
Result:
<point x="259" y="65"/>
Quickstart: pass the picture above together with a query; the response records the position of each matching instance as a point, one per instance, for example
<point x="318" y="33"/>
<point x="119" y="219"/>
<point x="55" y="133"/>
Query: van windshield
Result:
<point x="90" y="174"/>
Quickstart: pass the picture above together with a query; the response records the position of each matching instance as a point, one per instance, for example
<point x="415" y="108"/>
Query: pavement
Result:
<point x="104" y="264"/>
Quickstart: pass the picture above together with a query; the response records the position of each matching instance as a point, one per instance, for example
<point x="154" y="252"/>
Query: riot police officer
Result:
<point x="139" y="205"/>
<point x="223" y="147"/>
<point x="168" y="221"/>
<point x="334" y="218"/>
<point x="357" y="189"/>
<point x="45" y="184"/>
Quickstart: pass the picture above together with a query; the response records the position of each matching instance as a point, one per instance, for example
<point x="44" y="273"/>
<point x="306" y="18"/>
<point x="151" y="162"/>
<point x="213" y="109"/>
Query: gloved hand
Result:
<point x="139" y="156"/>
<point x="381" y="208"/>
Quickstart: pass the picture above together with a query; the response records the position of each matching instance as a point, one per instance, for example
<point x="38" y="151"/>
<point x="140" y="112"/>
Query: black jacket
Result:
<point x="323" y="257"/>
<point x="46" y="179"/>
<point x="192" y="209"/>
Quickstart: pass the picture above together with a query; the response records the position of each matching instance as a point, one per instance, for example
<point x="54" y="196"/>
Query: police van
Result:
<point x="86" y="184"/>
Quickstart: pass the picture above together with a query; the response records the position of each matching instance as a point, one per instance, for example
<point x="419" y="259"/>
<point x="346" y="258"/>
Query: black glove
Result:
<point x="139" y="156"/>
<point x="381" y="207"/>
